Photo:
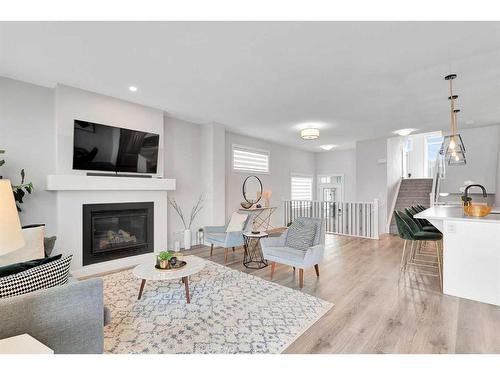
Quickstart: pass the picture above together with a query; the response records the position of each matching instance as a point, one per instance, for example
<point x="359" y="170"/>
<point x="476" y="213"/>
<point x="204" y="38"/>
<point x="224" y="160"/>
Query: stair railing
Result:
<point x="390" y="214"/>
<point x="436" y="182"/>
<point x="358" y="219"/>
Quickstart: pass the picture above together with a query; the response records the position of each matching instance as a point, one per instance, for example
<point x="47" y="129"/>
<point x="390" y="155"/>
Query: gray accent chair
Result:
<point x="217" y="236"/>
<point x="67" y="318"/>
<point x="275" y="250"/>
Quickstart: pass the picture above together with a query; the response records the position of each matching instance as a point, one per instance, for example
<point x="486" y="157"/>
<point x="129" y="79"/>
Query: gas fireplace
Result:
<point x="117" y="230"/>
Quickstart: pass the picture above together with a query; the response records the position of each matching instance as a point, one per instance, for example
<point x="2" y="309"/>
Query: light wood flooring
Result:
<point x="376" y="310"/>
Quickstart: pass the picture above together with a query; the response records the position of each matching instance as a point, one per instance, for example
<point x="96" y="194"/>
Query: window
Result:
<point x="408" y="146"/>
<point x="250" y="160"/>
<point x="302" y="188"/>
<point x="325" y="179"/>
<point x="433" y="145"/>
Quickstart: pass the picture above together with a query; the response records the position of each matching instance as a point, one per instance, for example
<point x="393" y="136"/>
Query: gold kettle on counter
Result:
<point x="473" y="209"/>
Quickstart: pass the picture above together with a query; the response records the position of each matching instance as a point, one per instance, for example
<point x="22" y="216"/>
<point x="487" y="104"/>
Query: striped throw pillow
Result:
<point x="300" y="235"/>
<point x="42" y="277"/>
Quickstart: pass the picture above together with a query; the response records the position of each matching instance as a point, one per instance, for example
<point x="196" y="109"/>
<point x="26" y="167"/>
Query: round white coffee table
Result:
<point x="147" y="271"/>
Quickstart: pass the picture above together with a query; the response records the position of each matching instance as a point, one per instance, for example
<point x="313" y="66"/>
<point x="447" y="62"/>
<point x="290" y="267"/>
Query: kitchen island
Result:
<point x="471" y="252"/>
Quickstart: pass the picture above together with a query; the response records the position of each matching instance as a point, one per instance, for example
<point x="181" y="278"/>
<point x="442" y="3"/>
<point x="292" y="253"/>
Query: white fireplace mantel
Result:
<point x="75" y="182"/>
<point x="74" y="191"/>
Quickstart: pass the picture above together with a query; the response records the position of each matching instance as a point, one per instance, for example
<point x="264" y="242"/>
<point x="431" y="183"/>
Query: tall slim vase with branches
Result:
<point x="187" y="222"/>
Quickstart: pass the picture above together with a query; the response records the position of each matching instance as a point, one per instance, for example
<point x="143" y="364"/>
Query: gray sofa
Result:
<point x="67" y="318"/>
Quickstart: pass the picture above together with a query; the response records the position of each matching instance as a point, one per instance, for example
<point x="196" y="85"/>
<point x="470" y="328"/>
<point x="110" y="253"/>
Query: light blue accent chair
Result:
<point x="275" y="250"/>
<point x="218" y="237"/>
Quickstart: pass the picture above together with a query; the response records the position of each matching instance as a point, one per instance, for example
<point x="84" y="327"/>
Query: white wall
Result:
<point x="371" y="175"/>
<point x="339" y="162"/>
<point x="183" y="161"/>
<point x="394" y="170"/>
<point x="27" y="133"/>
<point x="73" y="103"/>
<point x="213" y="176"/>
<point x="482" y="146"/>
<point x="416" y="157"/>
<point x="284" y="161"/>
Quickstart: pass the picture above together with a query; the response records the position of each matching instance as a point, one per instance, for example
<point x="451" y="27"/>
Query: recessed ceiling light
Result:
<point x="404" y="132"/>
<point x="327" y="147"/>
<point x="132" y="88"/>
<point x="309" y="133"/>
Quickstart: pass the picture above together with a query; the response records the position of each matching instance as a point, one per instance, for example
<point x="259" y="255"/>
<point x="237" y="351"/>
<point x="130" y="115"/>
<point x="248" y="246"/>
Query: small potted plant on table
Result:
<point x="166" y="260"/>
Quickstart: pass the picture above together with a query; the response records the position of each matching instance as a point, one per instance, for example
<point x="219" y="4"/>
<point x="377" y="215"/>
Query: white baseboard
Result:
<point x="113" y="265"/>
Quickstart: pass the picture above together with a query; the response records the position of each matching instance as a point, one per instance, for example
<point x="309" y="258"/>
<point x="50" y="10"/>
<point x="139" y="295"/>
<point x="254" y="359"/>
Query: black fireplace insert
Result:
<point x="117" y="230"/>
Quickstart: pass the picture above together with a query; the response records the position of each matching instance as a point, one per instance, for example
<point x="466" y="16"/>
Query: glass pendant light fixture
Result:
<point x="453" y="149"/>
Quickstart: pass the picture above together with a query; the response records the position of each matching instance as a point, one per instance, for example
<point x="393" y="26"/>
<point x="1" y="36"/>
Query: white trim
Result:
<point x="77" y="182"/>
<point x="292" y="174"/>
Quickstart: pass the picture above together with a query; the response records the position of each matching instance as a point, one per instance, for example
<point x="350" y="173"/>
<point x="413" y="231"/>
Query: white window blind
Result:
<point x="302" y="188"/>
<point x="250" y="160"/>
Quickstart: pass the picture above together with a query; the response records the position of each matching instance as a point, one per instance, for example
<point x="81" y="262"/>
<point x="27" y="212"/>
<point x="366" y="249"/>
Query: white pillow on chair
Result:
<point x="236" y="223"/>
<point x="32" y="249"/>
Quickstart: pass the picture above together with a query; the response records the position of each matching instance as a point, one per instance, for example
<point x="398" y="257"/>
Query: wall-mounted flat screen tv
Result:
<point x="98" y="147"/>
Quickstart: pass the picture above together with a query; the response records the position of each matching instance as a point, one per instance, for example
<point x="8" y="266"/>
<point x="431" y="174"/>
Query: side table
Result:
<point x="253" y="257"/>
<point x="23" y="344"/>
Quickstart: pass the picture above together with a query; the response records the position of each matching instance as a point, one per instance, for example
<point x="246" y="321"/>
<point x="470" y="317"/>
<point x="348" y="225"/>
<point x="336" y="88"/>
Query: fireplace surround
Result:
<point x="117" y="230"/>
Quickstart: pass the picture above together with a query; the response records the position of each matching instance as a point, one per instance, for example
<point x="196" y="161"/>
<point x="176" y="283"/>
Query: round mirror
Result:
<point x="252" y="189"/>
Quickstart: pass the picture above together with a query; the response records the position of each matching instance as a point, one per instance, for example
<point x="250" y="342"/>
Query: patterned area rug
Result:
<point x="230" y="312"/>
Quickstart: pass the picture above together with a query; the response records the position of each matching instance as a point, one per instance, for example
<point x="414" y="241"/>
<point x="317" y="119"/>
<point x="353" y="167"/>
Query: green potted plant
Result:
<point x="20" y="190"/>
<point x="165" y="259"/>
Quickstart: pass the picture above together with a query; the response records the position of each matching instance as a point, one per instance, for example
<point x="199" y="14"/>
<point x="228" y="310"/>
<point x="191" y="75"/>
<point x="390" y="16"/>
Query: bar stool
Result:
<point x="410" y="231"/>
<point x="420" y="207"/>
<point x="423" y="224"/>
<point x="405" y="234"/>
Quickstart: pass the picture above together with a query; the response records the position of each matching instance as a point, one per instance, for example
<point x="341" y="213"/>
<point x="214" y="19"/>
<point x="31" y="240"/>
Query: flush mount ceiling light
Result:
<point x="404" y="132"/>
<point x="327" y="147"/>
<point x="132" y="88"/>
<point x="309" y="133"/>
<point x="453" y="148"/>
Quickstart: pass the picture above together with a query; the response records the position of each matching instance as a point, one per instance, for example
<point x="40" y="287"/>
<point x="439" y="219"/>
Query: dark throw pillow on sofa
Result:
<point x="12" y="269"/>
<point x="41" y="277"/>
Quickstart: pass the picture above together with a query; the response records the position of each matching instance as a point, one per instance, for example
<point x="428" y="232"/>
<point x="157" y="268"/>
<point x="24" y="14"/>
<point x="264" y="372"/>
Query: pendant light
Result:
<point x="453" y="149"/>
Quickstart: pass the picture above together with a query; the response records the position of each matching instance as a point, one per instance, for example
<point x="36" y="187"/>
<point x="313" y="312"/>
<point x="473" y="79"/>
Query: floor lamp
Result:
<point x="11" y="235"/>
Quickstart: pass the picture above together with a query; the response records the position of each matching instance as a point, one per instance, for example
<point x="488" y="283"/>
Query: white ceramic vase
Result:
<point x="187" y="239"/>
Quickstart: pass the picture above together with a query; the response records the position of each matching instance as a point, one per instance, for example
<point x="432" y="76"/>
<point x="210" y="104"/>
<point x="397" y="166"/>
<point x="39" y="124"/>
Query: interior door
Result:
<point x="329" y="194"/>
<point x="331" y="188"/>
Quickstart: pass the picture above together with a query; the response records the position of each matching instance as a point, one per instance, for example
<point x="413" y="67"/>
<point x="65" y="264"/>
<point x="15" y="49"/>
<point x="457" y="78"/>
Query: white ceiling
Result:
<point x="358" y="80"/>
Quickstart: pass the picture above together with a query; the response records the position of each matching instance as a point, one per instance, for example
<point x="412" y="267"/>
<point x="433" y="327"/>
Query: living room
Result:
<point x="249" y="188"/>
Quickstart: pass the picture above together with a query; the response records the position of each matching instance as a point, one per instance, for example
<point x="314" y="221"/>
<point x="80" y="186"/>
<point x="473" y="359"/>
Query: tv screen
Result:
<point x="98" y="147"/>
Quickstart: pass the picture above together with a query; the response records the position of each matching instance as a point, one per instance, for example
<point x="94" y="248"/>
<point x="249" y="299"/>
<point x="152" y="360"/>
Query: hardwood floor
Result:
<point x="376" y="310"/>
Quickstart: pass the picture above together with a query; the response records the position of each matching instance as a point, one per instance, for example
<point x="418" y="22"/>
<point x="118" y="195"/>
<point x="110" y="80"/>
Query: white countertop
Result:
<point x="456" y="213"/>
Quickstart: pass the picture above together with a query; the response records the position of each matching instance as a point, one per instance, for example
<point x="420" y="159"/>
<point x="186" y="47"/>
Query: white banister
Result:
<point x="375" y="220"/>
<point x="393" y="206"/>
<point x="359" y="219"/>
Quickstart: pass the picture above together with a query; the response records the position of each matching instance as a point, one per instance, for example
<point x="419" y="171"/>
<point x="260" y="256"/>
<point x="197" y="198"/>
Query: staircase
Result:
<point x="412" y="191"/>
